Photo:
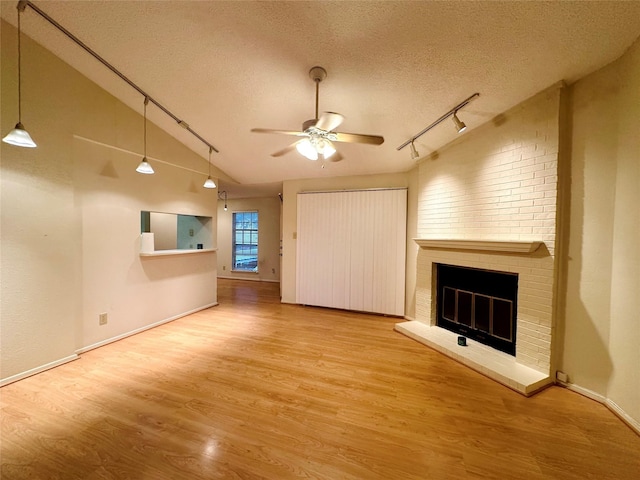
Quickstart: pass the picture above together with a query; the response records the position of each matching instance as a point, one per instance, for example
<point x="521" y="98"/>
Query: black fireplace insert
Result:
<point x="479" y="304"/>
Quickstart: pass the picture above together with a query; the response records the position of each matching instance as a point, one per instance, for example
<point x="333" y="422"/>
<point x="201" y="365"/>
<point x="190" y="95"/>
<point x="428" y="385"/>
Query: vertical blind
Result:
<point x="351" y="250"/>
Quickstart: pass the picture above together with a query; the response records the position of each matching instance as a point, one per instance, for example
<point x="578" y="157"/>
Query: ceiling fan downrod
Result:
<point x="317" y="74"/>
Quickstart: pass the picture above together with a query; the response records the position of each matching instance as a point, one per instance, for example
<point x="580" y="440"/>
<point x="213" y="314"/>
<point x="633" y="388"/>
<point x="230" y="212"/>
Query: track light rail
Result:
<point x="22" y="4"/>
<point x="440" y="120"/>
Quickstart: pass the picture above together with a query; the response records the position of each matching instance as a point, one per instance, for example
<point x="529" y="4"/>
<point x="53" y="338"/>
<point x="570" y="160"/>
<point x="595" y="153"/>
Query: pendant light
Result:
<point x="144" y="166"/>
<point x="223" y="196"/>
<point x="209" y="183"/>
<point x="19" y="136"/>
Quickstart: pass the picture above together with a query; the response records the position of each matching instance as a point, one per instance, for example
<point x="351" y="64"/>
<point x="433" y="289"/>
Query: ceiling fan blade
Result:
<point x="283" y="132"/>
<point x="359" y="138"/>
<point x="285" y="150"/>
<point x="329" y="120"/>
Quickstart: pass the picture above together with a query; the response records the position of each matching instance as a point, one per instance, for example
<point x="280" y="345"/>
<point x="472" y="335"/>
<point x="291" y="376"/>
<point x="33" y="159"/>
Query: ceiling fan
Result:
<point x="317" y="134"/>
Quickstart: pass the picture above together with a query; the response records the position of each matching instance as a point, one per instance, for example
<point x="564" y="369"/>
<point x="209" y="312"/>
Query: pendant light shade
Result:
<point x="19" y="136"/>
<point x="144" y="166"/>
<point x="209" y="183"/>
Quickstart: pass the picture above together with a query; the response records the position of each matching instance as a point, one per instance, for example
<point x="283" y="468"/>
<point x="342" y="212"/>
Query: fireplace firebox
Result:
<point x="479" y="304"/>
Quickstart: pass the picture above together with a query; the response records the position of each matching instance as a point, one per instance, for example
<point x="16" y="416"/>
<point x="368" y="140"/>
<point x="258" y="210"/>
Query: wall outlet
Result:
<point x="102" y="319"/>
<point x="273" y="270"/>
<point x="224" y="267"/>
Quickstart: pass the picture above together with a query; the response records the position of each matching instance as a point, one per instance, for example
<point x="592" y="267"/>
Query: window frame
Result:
<point x="245" y="231"/>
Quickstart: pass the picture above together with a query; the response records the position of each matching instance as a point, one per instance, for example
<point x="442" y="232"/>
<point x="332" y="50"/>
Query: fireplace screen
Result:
<point x="480" y="304"/>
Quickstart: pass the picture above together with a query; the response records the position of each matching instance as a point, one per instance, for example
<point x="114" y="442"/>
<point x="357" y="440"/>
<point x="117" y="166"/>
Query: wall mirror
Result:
<point x="173" y="231"/>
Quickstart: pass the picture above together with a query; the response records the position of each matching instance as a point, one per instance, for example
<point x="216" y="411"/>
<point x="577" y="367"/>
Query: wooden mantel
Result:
<point x="483" y="245"/>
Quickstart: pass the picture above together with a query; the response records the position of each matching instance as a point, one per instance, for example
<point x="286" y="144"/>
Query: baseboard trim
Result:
<point x="40" y="369"/>
<point x="142" y="329"/>
<point x="632" y="423"/>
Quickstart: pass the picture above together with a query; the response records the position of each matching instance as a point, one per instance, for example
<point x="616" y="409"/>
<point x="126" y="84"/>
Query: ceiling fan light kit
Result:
<point x="319" y="133"/>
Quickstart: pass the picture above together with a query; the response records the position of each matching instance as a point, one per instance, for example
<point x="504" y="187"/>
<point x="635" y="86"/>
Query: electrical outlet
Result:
<point x="273" y="270"/>
<point x="102" y="319"/>
<point x="224" y="267"/>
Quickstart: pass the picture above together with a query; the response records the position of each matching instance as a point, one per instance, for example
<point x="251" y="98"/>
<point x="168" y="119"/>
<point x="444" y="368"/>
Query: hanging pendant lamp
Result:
<point x="144" y="166"/>
<point x="209" y="183"/>
<point x="19" y="136"/>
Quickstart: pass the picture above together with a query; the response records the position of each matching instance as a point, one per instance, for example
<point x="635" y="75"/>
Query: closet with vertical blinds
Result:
<point x="351" y="248"/>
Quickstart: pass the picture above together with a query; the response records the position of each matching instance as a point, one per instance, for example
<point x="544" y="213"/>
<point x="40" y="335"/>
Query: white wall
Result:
<point x="499" y="182"/>
<point x="268" y="237"/>
<point x="602" y="325"/>
<point x="70" y="223"/>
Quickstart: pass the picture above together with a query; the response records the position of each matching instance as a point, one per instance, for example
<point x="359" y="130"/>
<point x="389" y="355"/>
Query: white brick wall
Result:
<point x="499" y="182"/>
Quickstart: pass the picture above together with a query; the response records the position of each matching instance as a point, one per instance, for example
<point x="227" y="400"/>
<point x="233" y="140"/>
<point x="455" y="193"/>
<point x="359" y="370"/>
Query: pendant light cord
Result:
<point x="27" y="3"/>
<point x="19" y="73"/>
<point x="146" y="101"/>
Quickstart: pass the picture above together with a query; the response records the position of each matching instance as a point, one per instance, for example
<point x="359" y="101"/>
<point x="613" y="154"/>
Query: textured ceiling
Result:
<point x="393" y="68"/>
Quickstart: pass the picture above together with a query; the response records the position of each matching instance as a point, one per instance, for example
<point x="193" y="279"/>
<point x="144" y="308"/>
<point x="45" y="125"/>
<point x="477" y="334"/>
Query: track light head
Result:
<point x="460" y="125"/>
<point x="414" y="152"/>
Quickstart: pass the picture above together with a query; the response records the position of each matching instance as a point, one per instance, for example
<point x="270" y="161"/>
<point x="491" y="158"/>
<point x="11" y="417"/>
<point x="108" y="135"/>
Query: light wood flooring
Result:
<point x="254" y="389"/>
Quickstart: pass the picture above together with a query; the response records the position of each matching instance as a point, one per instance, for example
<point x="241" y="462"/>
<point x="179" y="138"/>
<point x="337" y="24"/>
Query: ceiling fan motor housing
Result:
<point x="309" y="123"/>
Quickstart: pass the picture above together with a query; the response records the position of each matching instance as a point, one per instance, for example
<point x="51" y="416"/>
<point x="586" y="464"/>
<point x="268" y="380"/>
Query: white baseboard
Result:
<point x="40" y="369"/>
<point x="410" y="319"/>
<point x="622" y="415"/>
<point x="610" y="404"/>
<point x="249" y="279"/>
<point x="142" y="329"/>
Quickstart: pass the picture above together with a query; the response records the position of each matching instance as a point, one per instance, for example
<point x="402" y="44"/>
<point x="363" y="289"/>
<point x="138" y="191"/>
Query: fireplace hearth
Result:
<point x="479" y="304"/>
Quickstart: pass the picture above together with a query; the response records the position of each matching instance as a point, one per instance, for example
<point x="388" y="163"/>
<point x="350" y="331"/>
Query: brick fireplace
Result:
<point x="489" y="201"/>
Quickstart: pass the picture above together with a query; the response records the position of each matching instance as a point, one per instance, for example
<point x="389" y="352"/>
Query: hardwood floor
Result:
<point x="254" y="389"/>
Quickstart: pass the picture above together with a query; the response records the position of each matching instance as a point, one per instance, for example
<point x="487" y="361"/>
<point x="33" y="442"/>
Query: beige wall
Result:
<point x="289" y="219"/>
<point x="268" y="237"/>
<point x="602" y="324"/>
<point x="70" y="223"/>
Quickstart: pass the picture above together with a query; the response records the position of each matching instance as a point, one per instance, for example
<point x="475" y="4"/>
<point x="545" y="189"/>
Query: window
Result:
<point x="245" y="241"/>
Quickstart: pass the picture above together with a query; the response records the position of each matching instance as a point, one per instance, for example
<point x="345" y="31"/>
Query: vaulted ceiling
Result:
<point x="393" y="68"/>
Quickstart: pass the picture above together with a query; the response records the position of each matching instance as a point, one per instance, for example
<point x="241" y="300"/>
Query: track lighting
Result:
<point x="460" y="125"/>
<point x="144" y="166"/>
<point x="209" y="183"/>
<point x="223" y="196"/>
<point x="414" y="152"/>
<point x="19" y="136"/>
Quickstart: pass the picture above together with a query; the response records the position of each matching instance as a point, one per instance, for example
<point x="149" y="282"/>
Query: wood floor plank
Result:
<point x="256" y="389"/>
